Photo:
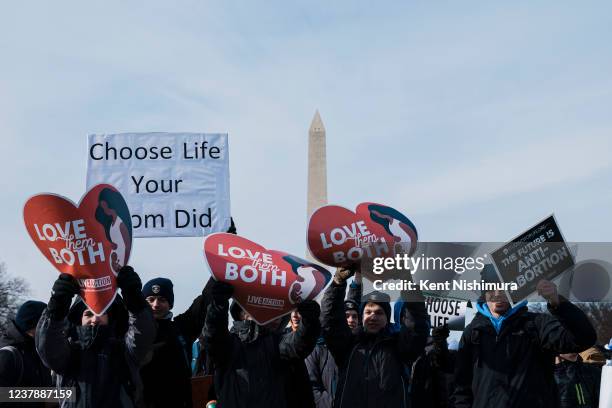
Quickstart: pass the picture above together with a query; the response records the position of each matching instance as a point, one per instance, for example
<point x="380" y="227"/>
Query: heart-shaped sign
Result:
<point x="91" y="241"/>
<point x="267" y="283"/>
<point x="340" y="237"/>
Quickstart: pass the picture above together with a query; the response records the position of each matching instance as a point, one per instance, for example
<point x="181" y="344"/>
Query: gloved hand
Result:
<point x="309" y="310"/>
<point x="342" y="274"/>
<point x="64" y="288"/>
<point x="232" y="228"/>
<point x="221" y="292"/>
<point x="131" y="288"/>
<point x="440" y="334"/>
<point x="439" y="352"/>
<point x="128" y="280"/>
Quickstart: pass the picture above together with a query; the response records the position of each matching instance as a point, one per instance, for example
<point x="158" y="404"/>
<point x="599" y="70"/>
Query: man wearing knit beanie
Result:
<point x="172" y="348"/>
<point x="20" y="364"/>
<point x="159" y="292"/>
<point x="506" y="354"/>
<point x="373" y="359"/>
<point x="351" y="312"/>
<point x="166" y="377"/>
<point x="376" y="312"/>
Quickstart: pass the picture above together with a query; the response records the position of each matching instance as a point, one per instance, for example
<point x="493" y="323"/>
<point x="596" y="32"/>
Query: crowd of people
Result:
<point x="345" y="352"/>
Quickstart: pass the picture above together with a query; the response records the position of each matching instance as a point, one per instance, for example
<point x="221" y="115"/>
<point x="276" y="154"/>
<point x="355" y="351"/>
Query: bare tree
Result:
<point x="12" y="293"/>
<point x="600" y="314"/>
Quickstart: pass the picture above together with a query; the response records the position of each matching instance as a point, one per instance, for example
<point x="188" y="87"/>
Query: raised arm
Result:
<point x="191" y="322"/>
<point x="336" y="332"/>
<point x="51" y="338"/>
<point x="215" y="333"/>
<point x="141" y="330"/>
<point x="300" y="343"/>
<point x="567" y="329"/>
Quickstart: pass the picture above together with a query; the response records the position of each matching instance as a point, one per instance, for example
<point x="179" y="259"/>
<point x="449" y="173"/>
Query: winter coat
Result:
<point x="514" y="368"/>
<point x="167" y="376"/>
<point x="20" y="365"/>
<point x="253" y="365"/>
<point x="297" y="385"/>
<point x="172" y="353"/>
<point x="103" y="371"/>
<point x="323" y="375"/>
<point x="578" y="384"/>
<point x="372" y="367"/>
<point x="432" y="378"/>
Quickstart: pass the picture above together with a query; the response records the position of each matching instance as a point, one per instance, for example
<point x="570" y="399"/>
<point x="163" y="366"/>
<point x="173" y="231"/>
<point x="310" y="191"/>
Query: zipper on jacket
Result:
<point x="376" y="343"/>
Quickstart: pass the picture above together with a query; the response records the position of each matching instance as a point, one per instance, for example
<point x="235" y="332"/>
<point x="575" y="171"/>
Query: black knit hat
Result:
<point x="350" y="304"/>
<point x="28" y="315"/>
<point x="160" y="287"/>
<point x="381" y="299"/>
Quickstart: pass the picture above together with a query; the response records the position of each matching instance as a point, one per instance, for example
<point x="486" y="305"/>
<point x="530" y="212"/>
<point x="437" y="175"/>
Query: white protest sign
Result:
<point x="605" y="391"/>
<point x="175" y="184"/>
<point x="446" y="311"/>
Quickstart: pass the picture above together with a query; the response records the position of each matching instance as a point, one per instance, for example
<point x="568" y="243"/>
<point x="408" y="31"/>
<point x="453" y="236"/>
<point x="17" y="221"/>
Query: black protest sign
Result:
<point x="539" y="253"/>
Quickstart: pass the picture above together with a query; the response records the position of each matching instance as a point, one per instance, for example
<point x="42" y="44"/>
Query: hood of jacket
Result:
<point x="397" y="317"/>
<point x="497" y="322"/>
<point x="118" y="319"/>
<point x="396" y="326"/>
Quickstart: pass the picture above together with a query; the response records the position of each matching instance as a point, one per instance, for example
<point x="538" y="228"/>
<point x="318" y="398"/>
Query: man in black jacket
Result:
<point x="433" y="373"/>
<point x="506" y="355"/>
<point x="372" y="363"/>
<point x="253" y="363"/>
<point x="20" y="365"/>
<point x="97" y="355"/>
<point x="166" y="377"/>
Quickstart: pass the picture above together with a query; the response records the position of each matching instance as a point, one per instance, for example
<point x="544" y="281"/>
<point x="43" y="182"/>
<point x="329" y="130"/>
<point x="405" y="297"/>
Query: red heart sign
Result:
<point x="340" y="237"/>
<point x="267" y="284"/>
<point x="91" y="241"/>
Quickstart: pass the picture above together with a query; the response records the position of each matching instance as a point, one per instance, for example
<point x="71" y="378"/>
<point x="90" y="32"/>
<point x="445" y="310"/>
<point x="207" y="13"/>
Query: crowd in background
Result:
<point x="351" y="350"/>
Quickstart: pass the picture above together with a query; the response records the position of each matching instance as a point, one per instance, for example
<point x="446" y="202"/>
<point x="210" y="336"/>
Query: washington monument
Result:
<point x="317" y="167"/>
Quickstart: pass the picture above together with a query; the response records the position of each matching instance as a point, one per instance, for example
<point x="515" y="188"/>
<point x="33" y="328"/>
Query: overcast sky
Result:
<point x="475" y="120"/>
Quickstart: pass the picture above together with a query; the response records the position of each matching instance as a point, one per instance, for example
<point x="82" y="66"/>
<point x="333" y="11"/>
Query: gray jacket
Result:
<point x="323" y="374"/>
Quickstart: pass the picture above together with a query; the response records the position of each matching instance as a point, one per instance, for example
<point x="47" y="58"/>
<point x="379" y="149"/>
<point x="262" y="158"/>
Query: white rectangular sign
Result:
<point x="446" y="311"/>
<point x="175" y="184"/>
